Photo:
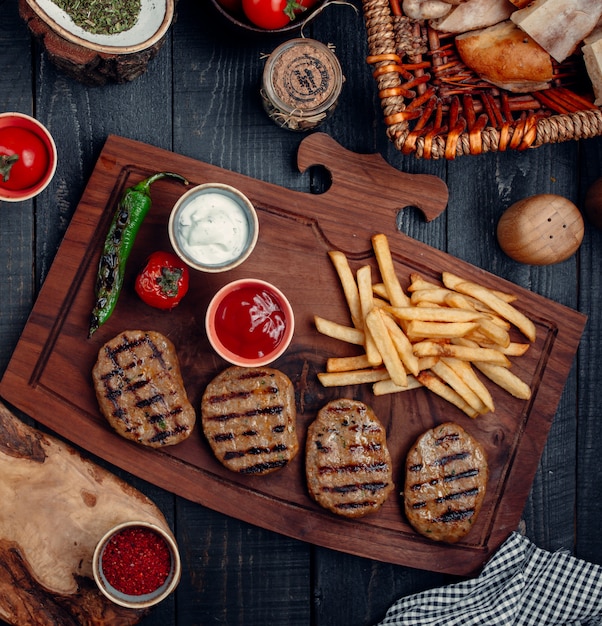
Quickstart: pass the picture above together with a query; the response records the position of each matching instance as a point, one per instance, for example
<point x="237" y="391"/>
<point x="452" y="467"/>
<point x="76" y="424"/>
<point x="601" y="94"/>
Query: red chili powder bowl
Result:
<point x="136" y="564"/>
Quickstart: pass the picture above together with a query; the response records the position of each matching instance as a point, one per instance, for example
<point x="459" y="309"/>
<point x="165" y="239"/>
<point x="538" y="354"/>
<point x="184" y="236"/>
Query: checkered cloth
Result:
<point x="521" y="585"/>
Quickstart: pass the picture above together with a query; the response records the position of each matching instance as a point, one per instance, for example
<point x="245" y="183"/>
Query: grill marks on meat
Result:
<point x="140" y="389"/>
<point x="249" y="419"/>
<point x="348" y="465"/>
<point x="446" y="480"/>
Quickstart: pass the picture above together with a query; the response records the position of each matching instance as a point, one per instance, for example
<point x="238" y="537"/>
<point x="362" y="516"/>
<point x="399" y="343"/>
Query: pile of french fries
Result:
<point x="436" y="337"/>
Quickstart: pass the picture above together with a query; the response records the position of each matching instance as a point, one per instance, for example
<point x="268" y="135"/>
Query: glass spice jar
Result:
<point x="302" y="82"/>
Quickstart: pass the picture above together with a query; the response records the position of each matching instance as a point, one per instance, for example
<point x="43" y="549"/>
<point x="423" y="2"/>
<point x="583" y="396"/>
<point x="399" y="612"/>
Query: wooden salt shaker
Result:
<point x="541" y="230"/>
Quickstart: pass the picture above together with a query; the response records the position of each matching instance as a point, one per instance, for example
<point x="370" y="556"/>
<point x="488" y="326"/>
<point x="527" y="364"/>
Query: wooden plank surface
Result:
<point x="199" y="98"/>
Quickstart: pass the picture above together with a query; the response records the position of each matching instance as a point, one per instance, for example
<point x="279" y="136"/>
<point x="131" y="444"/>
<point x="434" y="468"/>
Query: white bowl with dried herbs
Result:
<point x="113" y="26"/>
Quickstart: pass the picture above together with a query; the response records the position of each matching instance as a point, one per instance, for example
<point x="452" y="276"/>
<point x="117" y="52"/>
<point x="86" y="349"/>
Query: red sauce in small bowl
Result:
<point x="249" y="322"/>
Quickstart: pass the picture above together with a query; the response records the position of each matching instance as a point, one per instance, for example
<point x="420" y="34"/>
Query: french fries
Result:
<point x="449" y="339"/>
<point x="356" y="377"/>
<point x="382" y="253"/>
<point x="339" y="331"/>
<point x="493" y="301"/>
<point x="341" y="265"/>
<point x="385" y="346"/>
<point x="364" y="286"/>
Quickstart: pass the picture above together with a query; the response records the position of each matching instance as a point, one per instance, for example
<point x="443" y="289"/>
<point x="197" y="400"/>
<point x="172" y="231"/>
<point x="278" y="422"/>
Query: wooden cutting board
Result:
<point x="49" y="375"/>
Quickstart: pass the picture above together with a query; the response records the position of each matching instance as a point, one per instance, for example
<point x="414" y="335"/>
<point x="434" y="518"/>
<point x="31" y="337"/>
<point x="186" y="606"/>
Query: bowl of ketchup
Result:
<point x="249" y="322"/>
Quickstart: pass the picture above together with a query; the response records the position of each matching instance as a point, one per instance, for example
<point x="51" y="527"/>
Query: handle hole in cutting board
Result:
<point x="405" y="211"/>
<point x="320" y="179"/>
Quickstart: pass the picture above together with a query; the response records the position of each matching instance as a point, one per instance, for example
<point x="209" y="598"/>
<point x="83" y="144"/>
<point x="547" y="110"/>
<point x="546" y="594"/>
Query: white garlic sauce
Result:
<point x="212" y="229"/>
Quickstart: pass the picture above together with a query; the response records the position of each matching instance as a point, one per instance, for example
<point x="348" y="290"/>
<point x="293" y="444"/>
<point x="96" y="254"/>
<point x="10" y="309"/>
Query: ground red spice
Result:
<point x="136" y="561"/>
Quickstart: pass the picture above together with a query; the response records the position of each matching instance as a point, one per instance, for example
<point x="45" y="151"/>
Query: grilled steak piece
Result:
<point x="348" y="465"/>
<point x="446" y="480"/>
<point x="250" y="419"/>
<point x="140" y="389"/>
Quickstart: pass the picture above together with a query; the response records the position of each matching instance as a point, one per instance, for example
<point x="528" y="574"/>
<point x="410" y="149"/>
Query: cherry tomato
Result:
<point x="163" y="281"/>
<point x="271" y="14"/>
<point x="23" y="158"/>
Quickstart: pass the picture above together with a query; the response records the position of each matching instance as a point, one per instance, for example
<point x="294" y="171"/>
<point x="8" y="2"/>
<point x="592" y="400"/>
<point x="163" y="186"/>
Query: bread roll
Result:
<point x="558" y="26"/>
<point x="507" y="57"/>
<point x="592" y="55"/>
<point x="474" y="14"/>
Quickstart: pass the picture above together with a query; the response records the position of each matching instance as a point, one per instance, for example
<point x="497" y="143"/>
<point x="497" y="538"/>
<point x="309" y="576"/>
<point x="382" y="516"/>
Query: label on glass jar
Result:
<point x="301" y="84"/>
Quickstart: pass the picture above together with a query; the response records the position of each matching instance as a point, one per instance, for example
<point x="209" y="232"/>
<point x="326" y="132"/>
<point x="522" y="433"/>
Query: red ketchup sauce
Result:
<point x="136" y="561"/>
<point x="250" y="322"/>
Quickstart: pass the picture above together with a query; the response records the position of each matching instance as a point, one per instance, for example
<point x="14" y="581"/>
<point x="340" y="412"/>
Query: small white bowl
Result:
<point x="244" y="304"/>
<point x="213" y="227"/>
<point x="35" y="128"/>
<point x="144" y="600"/>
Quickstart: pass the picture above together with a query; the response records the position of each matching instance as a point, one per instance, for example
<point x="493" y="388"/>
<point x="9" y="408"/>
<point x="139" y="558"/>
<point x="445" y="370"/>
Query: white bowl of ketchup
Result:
<point x="249" y="322"/>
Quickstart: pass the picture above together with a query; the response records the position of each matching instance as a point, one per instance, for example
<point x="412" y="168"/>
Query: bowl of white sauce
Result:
<point x="213" y="227"/>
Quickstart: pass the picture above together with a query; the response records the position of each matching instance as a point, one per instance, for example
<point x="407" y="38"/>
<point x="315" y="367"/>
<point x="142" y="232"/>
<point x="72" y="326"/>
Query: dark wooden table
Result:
<point x="200" y="98"/>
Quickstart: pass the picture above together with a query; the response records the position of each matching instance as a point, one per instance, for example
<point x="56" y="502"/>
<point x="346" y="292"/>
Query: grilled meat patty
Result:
<point x="348" y="465"/>
<point x="250" y="419"/>
<point x="445" y="482"/>
<point x="140" y="389"/>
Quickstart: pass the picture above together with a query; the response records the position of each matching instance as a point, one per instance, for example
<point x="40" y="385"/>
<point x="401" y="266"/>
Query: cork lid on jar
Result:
<point x="302" y="81"/>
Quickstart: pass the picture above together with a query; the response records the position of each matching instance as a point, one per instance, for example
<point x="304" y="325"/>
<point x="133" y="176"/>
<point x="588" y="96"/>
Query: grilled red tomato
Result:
<point x="23" y="158"/>
<point x="163" y="281"/>
<point x="271" y="14"/>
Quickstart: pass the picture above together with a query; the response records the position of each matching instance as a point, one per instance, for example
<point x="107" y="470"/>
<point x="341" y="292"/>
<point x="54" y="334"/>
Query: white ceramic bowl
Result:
<point x="32" y="126"/>
<point x="213" y="227"/>
<point x="141" y="600"/>
<point x="246" y="304"/>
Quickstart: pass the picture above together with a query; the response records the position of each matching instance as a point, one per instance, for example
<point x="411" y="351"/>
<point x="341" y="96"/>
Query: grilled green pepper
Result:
<point x="133" y="208"/>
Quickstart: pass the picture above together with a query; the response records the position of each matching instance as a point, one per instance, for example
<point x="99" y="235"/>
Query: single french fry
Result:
<point x="382" y="252"/>
<point x="347" y="363"/>
<point x="364" y="286"/>
<point x="417" y="282"/>
<point x="433" y="314"/>
<point x="514" y="348"/>
<point x="465" y="371"/>
<point x="465" y="353"/>
<point x="493" y="332"/>
<point x="341" y="265"/>
<point x="379" y="302"/>
<point x="463" y="301"/>
<point x="386" y="348"/>
<point x="492" y="300"/>
<point x="460" y="301"/>
<point x="402" y="345"/>
<point x="427" y="362"/>
<point x="439" y="330"/>
<point x="380" y="291"/>
<point x="505" y="379"/>
<point x="450" y="376"/>
<point x="436" y="295"/>
<point x="339" y="331"/>
<point x="436" y="385"/>
<point x="357" y="377"/>
<point x="449" y="278"/>
<point x="383" y="387"/>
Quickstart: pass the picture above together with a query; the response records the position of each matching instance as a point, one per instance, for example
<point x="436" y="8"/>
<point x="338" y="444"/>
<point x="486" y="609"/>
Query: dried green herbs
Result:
<point x="102" y="17"/>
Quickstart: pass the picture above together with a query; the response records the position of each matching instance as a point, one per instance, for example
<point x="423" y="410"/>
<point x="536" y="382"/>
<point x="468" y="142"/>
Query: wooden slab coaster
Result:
<point x="85" y="64"/>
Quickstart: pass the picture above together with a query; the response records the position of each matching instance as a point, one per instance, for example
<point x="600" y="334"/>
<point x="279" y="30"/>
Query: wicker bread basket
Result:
<point x="435" y="107"/>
